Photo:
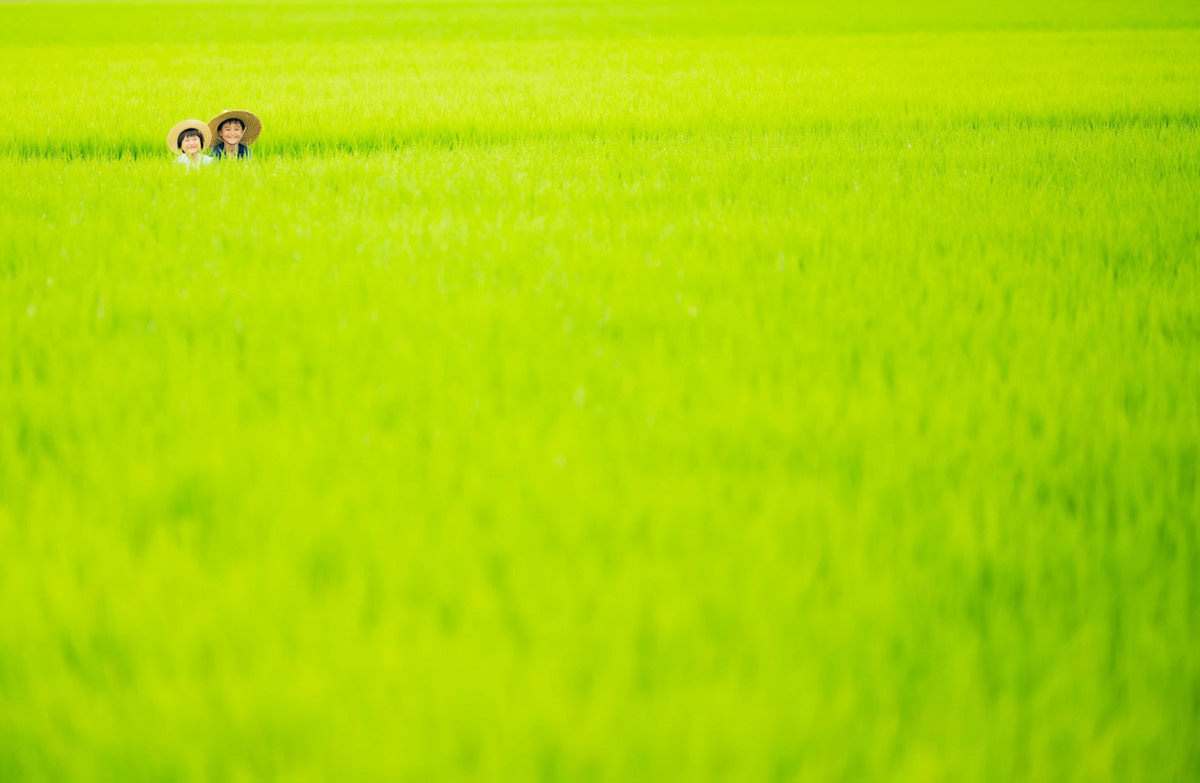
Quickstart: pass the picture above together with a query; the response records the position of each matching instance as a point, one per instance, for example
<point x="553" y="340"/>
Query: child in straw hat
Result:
<point x="235" y="131"/>
<point x="189" y="138"/>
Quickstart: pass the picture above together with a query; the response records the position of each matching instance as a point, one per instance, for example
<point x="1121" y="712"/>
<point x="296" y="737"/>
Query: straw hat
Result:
<point x="180" y="127"/>
<point x="251" y="122"/>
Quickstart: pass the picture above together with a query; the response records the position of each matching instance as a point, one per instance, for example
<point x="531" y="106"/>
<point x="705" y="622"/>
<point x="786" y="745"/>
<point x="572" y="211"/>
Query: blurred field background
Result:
<point x="598" y="391"/>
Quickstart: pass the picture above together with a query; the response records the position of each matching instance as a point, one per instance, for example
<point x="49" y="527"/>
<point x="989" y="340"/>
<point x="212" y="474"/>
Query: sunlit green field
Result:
<point x="586" y="391"/>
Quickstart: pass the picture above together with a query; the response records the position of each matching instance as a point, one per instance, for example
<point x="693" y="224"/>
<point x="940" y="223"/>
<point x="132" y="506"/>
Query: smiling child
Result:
<point x="235" y="131"/>
<point x="189" y="138"/>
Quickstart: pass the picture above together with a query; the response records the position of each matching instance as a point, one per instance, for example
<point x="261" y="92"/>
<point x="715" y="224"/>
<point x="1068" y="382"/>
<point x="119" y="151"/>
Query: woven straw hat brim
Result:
<point x="179" y="127"/>
<point x="249" y="119"/>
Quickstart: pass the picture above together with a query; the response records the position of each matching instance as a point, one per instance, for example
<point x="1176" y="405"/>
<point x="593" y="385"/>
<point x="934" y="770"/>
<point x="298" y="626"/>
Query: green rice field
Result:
<point x="602" y="391"/>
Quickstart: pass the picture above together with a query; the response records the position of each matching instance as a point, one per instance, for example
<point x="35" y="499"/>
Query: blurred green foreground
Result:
<point x="590" y="391"/>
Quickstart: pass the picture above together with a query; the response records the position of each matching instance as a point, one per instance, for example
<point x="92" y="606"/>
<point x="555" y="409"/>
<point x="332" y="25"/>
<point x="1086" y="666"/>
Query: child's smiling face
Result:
<point x="191" y="143"/>
<point x="231" y="132"/>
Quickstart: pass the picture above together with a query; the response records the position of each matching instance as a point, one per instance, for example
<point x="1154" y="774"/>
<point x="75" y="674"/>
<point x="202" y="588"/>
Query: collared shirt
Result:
<point x="219" y="150"/>
<point x="201" y="161"/>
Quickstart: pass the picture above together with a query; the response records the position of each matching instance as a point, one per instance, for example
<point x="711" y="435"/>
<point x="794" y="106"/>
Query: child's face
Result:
<point x="231" y="133"/>
<point x="190" y="144"/>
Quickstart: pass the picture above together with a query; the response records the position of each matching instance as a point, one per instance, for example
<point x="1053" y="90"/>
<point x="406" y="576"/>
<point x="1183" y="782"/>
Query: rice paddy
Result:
<point x="586" y="391"/>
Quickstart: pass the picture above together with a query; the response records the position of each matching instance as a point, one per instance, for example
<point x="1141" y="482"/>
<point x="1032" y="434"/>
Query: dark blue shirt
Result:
<point x="219" y="150"/>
